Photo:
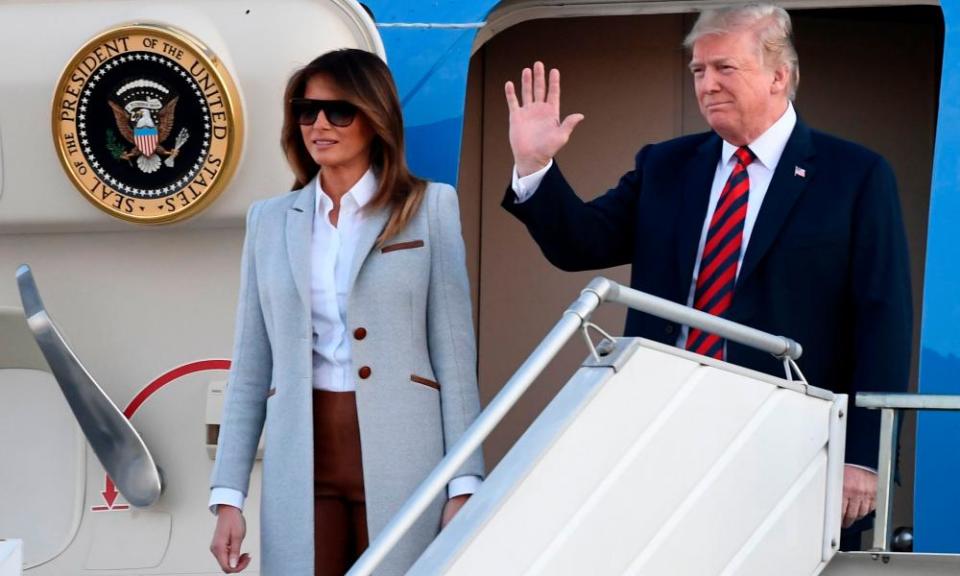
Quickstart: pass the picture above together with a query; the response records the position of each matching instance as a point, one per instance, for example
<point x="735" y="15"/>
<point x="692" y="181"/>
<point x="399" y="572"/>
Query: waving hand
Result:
<point x="536" y="132"/>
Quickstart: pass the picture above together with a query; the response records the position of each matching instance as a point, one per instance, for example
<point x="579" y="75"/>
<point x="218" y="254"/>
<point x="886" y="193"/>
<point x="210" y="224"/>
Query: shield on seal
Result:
<point x="146" y="139"/>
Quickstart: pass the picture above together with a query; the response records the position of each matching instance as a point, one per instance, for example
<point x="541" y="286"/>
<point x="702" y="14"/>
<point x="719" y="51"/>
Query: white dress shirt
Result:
<point x="332" y="251"/>
<point x="767" y="148"/>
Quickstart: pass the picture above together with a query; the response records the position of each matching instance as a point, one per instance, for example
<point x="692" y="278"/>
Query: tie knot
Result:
<point x="744" y="156"/>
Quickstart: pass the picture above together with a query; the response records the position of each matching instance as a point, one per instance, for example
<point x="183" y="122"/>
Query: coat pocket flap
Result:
<point x="425" y="381"/>
<point x="402" y="246"/>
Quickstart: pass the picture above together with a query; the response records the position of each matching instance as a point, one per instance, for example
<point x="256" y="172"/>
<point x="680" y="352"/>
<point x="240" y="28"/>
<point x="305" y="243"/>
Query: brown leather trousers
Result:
<point x="340" y="512"/>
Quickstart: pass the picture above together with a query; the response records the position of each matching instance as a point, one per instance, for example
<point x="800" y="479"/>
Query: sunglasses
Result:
<point x="338" y="112"/>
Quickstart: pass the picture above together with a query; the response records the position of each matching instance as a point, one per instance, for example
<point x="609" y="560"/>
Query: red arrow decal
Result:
<point x="110" y="490"/>
<point x="110" y="493"/>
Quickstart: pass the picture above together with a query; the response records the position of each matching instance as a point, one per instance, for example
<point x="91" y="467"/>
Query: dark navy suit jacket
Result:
<point x="826" y="263"/>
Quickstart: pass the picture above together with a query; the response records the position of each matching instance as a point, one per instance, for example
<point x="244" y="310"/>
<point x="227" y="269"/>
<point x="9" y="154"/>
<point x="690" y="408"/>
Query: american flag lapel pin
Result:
<point x="798" y="171"/>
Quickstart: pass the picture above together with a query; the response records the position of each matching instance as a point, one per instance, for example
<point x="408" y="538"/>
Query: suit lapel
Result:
<point x="785" y="188"/>
<point x="299" y="231"/>
<point x="371" y="227"/>
<point x="698" y="177"/>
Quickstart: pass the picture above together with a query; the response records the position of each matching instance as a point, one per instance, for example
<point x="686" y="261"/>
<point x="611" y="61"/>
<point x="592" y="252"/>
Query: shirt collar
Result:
<point x="359" y="195"/>
<point x="769" y="146"/>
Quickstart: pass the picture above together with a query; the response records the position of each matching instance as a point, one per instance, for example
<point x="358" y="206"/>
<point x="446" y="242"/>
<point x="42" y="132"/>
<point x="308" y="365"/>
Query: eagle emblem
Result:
<point x="145" y="122"/>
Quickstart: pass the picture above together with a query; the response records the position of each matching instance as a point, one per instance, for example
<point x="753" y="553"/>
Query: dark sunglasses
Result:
<point x="338" y="112"/>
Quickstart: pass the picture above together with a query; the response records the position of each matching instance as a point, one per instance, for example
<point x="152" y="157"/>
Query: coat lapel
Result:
<point x="373" y="224"/>
<point x="793" y="172"/>
<point x="299" y="231"/>
<point x="698" y="176"/>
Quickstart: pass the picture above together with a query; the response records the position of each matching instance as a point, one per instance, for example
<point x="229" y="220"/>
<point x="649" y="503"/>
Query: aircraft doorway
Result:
<point x="870" y="75"/>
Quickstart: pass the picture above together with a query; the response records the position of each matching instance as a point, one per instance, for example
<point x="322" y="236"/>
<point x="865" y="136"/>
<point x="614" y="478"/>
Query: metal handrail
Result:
<point x="890" y="406"/>
<point x="779" y="346"/>
<point x="598" y="291"/>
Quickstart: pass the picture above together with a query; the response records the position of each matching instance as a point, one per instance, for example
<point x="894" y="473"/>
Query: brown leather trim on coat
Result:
<point x="271" y="392"/>
<point x="402" y="246"/>
<point x="425" y="381"/>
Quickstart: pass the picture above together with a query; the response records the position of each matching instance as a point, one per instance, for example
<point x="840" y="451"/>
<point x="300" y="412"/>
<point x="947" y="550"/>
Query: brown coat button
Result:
<point x="364" y="372"/>
<point x="360" y="333"/>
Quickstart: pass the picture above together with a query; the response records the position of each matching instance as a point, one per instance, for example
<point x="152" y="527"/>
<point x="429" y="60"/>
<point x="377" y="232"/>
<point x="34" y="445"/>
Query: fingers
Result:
<point x="534" y="88"/>
<point x="511" y="94"/>
<point x="539" y="83"/>
<point x="856" y="507"/>
<point x="526" y="86"/>
<point x="219" y="550"/>
<point x="243" y="563"/>
<point x="553" y="92"/>
<point x="570" y="122"/>
<point x="865" y="507"/>
<point x="234" y="542"/>
<point x="859" y="493"/>
<point x="227" y="540"/>
<point x="848" y="517"/>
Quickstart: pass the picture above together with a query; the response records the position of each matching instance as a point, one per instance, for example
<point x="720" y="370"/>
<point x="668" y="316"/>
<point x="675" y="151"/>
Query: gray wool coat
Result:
<point x="412" y="297"/>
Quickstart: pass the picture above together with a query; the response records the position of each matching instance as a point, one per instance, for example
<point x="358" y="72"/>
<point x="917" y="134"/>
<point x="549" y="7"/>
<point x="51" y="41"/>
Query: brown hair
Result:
<point x="368" y="84"/>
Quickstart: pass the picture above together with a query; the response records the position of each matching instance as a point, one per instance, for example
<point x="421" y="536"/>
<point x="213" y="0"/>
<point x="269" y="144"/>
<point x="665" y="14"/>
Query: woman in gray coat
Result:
<point x="354" y="348"/>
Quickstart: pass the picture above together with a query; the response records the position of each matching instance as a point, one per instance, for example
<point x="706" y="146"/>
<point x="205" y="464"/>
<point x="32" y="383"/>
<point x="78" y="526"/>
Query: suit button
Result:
<point x="364" y="372"/>
<point x="669" y="329"/>
<point x="360" y="333"/>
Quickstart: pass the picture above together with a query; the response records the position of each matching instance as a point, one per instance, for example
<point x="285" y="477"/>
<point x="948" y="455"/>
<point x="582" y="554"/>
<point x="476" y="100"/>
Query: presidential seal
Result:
<point x="147" y="124"/>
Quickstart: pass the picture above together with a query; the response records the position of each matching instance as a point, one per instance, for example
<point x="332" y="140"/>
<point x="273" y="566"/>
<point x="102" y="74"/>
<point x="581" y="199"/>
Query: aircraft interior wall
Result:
<point x="867" y="74"/>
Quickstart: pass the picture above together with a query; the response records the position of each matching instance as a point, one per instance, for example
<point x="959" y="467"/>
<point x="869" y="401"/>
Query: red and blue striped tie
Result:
<point x="721" y="252"/>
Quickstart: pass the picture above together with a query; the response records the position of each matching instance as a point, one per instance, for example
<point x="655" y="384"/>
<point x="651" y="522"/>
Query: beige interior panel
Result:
<point x="521" y="294"/>
<point x="43" y="470"/>
<point x="469" y="191"/>
<point x="869" y="74"/>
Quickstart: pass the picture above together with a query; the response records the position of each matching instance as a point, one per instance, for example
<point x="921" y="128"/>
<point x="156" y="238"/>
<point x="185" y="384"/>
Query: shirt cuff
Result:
<point x="227" y="496"/>
<point x="526" y="186"/>
<point x="462" y="485"/>
<point x="867" y="468"/>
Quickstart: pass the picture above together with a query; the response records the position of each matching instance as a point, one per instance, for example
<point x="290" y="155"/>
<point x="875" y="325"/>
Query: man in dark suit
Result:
<point x="763" y="221"/>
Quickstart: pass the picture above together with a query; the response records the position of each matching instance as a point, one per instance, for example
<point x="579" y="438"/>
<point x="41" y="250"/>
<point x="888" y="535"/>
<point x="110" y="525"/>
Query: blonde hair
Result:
<point x="772" y="29"/>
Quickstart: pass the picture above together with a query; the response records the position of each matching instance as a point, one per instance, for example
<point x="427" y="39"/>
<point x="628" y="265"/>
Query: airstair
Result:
<point x="650" y="461"/>
<point x="656" y="461"/>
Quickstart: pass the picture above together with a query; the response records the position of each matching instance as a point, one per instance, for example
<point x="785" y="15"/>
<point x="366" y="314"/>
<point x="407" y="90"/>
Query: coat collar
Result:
<point x="795" y="169"/>
<point x="299" y="230"/>
<point x="373" y="224"/>
<point x="697" y="178"/>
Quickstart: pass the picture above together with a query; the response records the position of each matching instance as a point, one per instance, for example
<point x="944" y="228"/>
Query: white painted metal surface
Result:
<point x="667" y="466"/>
<point x="41" y="489"/>
<point x="893" y="564"/>
<point x="11" y="557"/>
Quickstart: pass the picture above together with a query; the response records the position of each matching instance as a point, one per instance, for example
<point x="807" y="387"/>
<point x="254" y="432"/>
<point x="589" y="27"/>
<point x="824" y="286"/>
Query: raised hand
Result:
<point x="536" y="132"/>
